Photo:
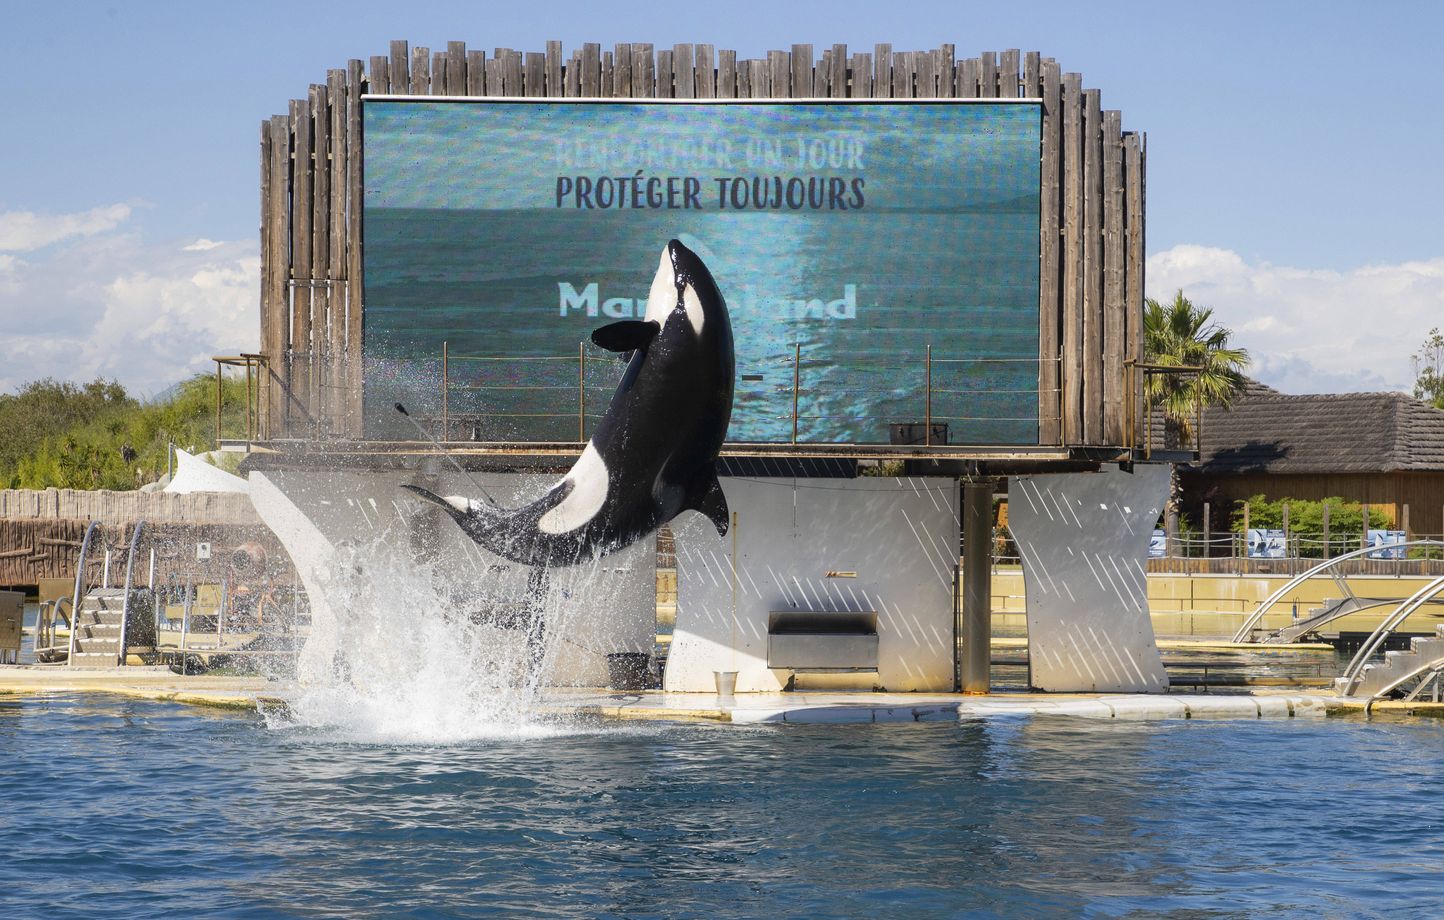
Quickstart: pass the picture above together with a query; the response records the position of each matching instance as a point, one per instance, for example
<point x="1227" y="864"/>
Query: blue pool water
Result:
<point x="117" y="808"/>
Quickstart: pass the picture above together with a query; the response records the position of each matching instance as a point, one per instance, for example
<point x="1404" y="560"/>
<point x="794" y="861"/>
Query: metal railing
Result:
<point x="80" y="590"/>
<point x="1371" y="645"/>
<point x="1139" y="407"/>
<point x="943" y="385"/>
<point x="1245" y="631"/>
<point x="125" y="598"/>
<point x="258" y="408"/>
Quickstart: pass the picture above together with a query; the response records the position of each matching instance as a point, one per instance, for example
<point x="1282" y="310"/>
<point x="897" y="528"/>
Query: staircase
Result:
<point x="97" y="629"/>
<point x="1320" y="616"/>
<point x="1423" y="656"/>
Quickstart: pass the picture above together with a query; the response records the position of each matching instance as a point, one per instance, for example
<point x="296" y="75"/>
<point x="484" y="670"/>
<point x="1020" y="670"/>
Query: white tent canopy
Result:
<point x="193" y="474"/>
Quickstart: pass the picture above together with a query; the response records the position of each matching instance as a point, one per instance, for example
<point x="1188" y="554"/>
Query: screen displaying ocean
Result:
<point x="847" y="240"/>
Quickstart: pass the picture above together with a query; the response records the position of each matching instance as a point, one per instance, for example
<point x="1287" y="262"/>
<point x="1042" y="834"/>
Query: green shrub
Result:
<point x="96" y="436"/>
<point x="1306" y="522"/>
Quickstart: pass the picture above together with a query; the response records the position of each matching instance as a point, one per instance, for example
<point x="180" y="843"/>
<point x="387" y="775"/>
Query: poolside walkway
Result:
<point x="252" y="693"/>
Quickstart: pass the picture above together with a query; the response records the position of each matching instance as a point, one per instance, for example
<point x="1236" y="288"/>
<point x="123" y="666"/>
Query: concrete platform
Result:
<point x="147" y="683"/>
<point x="254" y="693"/>
<point x="755" y="708"/>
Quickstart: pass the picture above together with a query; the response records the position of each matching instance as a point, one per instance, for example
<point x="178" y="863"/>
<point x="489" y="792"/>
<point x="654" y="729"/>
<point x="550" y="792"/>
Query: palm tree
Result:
<point x="1182" y="335"/>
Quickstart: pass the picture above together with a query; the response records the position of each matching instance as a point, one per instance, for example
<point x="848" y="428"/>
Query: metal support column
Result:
<point x="977" y="586"/>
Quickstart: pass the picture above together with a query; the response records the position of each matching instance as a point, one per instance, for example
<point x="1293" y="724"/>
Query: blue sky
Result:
<point x="1296" y="155"/>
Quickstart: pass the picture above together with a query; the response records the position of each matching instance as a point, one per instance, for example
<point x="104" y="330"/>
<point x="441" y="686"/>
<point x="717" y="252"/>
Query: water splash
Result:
<point x="434" y="649"/>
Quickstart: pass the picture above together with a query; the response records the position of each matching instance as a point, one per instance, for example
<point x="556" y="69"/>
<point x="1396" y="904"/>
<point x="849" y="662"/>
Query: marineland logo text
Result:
<point x="589" y="300"/>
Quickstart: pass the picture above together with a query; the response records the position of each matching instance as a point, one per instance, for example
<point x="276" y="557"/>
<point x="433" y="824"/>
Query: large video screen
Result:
<point x="879" y="260"/>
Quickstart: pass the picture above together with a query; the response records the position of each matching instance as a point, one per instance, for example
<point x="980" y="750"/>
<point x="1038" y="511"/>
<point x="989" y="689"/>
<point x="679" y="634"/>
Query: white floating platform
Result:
<point x="836" y="708"/>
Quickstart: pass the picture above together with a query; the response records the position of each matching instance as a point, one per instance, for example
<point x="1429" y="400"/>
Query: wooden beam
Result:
<point x="355" y="86"/>
<point x="1093" y="342"/>
<point x="456" y="68"/>
<point x="278" y="270"/>
<point x="320" y="248"/>
<point x="476" y="73"/>
<point x="684" y="73"/>
<point x="801" y="75"/>
<point x="338" y="398"/>
<point x="706" y="80"/>
<point x="1049" y="277"/>
<point x="300" y="402"/>
<point x="882" y="76"/>
<point x="663" y="88"/>
<point x="622" y="71"/>
<point x="945" y="65"/>
<point x="553" y="69"/>
<point x="1032" y="75"/>
<point x="420" y="71"/>
<point x="988" y="75"/>
<point x="380" y="74"/>
<point x="591" y="70"/>
<point x="400" y="68"/>
<point x="926" y="63"/>
<point x="1072" y="191"/>
<point x="779" y="77"/>
<point x="495" y="76"/>
<point x="1008" y="74"/>
<point x="861" y="76"/>
<point x="727" y="74"/>
<point x="512" y="79"/>
<point x="967" y="81"/>
<point x="534" y="75"/>
<point x="837" y="73"/>
<point x="1115" y="342"/>
<point x="644" y="70"/>
<point x="268" y="314"/>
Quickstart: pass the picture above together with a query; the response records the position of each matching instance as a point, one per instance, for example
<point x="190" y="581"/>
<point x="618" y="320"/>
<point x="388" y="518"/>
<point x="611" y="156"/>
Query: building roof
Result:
<point x="1266" y="431"/>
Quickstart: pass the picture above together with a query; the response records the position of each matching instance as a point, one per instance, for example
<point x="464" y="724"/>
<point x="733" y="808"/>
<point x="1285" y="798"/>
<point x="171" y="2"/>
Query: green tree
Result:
<point x="1179" y="334"/>
<point x="97" y="437"/>
<point x="1429" y="370"/>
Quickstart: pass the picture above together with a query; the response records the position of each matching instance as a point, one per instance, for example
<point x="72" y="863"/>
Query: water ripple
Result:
<point x="128" y="808"/>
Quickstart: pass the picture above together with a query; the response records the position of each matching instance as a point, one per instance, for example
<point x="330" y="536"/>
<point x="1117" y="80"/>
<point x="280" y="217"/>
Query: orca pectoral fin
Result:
<point x="429" y="496"/>
<point x="627" y="335"/>
<point x="712" y="502"/>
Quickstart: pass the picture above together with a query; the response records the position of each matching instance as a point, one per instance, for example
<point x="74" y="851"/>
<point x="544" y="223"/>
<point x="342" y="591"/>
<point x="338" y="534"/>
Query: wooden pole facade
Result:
<point x="1091" y="242"/>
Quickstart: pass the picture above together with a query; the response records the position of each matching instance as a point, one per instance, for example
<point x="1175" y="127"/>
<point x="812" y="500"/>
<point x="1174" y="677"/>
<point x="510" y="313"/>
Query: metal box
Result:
<point x="804" y="640"/>
<point x="12" y="619"/>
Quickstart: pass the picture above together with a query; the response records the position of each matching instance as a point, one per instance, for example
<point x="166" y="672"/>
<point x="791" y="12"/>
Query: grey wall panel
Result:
<point x="873" y="544"/>
<point x="1084" y="538"/>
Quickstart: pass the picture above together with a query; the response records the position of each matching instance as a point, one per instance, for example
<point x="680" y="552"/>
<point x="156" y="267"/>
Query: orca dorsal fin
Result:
<point x="711" y="501"/>
<point x="627" y="335"/>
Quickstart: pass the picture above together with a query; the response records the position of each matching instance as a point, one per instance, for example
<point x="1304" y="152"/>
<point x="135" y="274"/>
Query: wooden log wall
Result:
<point x="1091" y="242"/>
<point x="41" y="532"/>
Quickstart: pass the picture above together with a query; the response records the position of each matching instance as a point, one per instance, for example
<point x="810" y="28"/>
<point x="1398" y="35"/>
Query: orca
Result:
<point x="654" y="453"/>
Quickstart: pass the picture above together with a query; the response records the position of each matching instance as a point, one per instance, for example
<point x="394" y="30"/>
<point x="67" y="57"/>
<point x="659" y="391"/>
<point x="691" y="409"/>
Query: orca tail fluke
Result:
<point x="711" y="501"/>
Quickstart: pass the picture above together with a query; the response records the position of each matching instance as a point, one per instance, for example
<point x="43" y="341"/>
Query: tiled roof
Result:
<point x="1269" y="431"/>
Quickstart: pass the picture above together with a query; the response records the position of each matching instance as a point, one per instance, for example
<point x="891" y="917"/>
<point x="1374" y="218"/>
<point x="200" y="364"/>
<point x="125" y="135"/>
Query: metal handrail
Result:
<point x="1431" y="668"/>
<point x="1245" y="631"/>
<point x="1385" y="628"/>
<point x="125" y="598"/>
<point x="79" y="592"/>
<point x="792" y="362"/>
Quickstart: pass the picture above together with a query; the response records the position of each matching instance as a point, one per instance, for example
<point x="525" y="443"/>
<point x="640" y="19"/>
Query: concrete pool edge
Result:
<point x="258" y="694"/>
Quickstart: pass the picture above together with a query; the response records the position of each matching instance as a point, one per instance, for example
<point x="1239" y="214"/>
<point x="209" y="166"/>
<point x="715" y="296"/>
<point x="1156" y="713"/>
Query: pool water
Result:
<point x="117" y="808"/>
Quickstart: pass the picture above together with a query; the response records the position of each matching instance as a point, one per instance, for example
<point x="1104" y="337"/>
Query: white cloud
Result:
<point x="200" y="245"/>
<point x="1312" y="330"/>
<point x="111" y="304"/>
<point x="25" y="231"/>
